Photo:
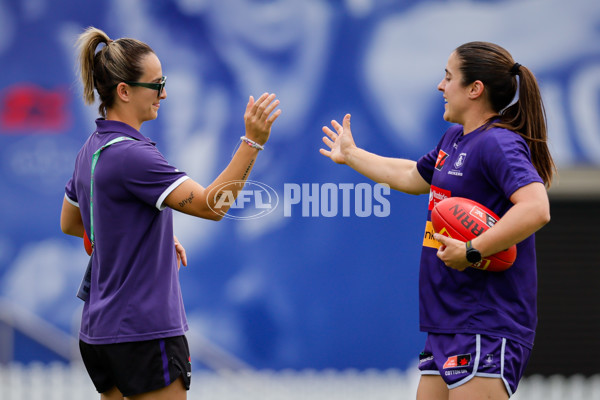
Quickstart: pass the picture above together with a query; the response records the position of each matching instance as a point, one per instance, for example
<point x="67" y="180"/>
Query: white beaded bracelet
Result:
<point x="252" y="143"/>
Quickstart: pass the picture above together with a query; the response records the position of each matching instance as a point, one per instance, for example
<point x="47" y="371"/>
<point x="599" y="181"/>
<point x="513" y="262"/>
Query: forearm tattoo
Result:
<point x="248" y="170"/>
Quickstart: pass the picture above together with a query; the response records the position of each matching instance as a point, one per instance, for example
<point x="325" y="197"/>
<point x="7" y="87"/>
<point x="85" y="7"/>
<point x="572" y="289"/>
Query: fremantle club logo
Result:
<point x="460" y="160"/>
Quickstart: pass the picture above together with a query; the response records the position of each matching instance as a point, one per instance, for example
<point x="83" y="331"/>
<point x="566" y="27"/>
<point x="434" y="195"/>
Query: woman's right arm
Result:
<point x="214" y="201"/>
<point x="399" y="174"/>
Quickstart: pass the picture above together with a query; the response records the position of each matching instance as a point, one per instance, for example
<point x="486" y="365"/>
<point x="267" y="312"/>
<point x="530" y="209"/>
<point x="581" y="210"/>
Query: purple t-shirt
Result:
<point x="486" y="166"/>
<point x="135" y="293"/>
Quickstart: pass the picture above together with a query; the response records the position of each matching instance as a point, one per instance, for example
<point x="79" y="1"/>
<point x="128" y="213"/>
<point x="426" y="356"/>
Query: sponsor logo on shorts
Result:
<point x="461" y="360"/>
<point x="488" y="361"/>
<point x="456" y="372"/>
<point x="423" y="357"/>
<point x="441" y="160"/>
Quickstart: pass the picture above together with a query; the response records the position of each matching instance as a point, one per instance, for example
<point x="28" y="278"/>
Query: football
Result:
<point x="87" y="244"/>
<point x="464" y="219"/>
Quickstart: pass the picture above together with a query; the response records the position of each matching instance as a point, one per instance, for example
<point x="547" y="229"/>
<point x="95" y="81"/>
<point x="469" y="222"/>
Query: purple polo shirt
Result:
<point x="487" y="166"/>
<point x="135" y="293"/>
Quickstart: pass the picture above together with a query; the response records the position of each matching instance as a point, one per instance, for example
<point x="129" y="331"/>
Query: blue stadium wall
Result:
<point x="287" y="290"/>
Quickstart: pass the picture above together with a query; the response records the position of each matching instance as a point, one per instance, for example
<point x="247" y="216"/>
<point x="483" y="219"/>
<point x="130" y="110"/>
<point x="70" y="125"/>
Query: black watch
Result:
<point x="473" y="255"/>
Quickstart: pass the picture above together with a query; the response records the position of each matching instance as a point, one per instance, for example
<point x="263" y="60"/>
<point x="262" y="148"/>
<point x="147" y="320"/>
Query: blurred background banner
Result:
<point x="327" y="278"/>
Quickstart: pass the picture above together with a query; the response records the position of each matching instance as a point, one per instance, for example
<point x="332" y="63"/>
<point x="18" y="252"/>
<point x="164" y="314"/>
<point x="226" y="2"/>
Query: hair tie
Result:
<point x="515" y="69"/>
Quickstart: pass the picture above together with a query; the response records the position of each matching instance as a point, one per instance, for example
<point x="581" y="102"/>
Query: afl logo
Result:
<point x="460" y="160"/>
<point x="255" y="200"/>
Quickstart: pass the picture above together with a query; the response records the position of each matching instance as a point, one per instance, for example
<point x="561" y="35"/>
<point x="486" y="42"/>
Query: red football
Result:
<point x="87" y="244"/>
<point x="464" y="219"/>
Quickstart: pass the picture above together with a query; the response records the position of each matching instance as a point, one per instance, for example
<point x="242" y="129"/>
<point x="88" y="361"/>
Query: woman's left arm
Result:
<point x="530" y="212"/>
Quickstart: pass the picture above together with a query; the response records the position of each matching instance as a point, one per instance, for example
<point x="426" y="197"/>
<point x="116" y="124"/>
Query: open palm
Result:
<point x="339" y="142"/>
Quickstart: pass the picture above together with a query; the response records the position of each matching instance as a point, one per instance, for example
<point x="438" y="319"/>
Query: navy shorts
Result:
<point x="457" y="358"/>
<point x="138" y="367"/>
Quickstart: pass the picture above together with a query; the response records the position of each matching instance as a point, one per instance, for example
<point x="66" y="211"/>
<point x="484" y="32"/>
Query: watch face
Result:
<point x="473" y="255"/>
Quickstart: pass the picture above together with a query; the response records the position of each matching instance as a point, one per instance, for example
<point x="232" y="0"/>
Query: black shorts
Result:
<point x="138" y="367"/>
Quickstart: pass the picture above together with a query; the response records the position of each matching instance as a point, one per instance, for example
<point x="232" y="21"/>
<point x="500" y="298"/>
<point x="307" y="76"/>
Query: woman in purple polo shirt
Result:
<point x="121" y="194"/>
<point x="480" y="325"/>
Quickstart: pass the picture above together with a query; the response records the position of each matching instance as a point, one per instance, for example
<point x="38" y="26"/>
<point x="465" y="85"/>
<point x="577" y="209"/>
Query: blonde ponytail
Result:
<point x="119" y="60"/>
<point x="87" y="43"/>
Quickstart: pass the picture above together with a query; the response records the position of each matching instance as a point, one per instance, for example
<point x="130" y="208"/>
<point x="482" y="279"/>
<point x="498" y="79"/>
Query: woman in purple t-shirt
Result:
<point x="480" y="324"/>
<point x="121" y="195"/>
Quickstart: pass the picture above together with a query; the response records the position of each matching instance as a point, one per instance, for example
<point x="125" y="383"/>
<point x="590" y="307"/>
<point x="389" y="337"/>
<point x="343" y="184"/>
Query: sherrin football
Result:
<point x="87" y="244"/>
<point x="464" y="219"/>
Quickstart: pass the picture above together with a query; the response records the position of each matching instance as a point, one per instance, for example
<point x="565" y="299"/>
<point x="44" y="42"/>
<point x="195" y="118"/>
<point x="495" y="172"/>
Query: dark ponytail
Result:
<point x="502" y="77"/>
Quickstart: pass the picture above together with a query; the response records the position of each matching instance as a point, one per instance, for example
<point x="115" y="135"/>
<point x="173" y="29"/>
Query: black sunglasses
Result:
<point x="155" y="86"/>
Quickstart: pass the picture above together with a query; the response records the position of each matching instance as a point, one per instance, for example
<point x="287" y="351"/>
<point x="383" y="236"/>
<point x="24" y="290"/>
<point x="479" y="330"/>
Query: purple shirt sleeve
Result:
<point x="509" y="163"/>
<point x="70" y="193"/>
<point x="149" y="175"/>
<point x="426" y="164"/>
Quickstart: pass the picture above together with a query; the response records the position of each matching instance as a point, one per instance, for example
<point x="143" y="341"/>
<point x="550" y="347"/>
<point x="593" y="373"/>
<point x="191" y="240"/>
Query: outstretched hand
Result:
<point x="258" y="118"/>
<point x="339" y="142"/>
<point x="452" y="252"/>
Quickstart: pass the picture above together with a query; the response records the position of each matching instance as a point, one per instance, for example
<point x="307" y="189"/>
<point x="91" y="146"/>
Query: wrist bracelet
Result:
<point x="252" y="143"/>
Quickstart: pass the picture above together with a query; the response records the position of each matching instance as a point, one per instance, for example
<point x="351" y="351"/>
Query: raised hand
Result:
<point x="258" y="117"/>
<point x="339" y="142"/>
